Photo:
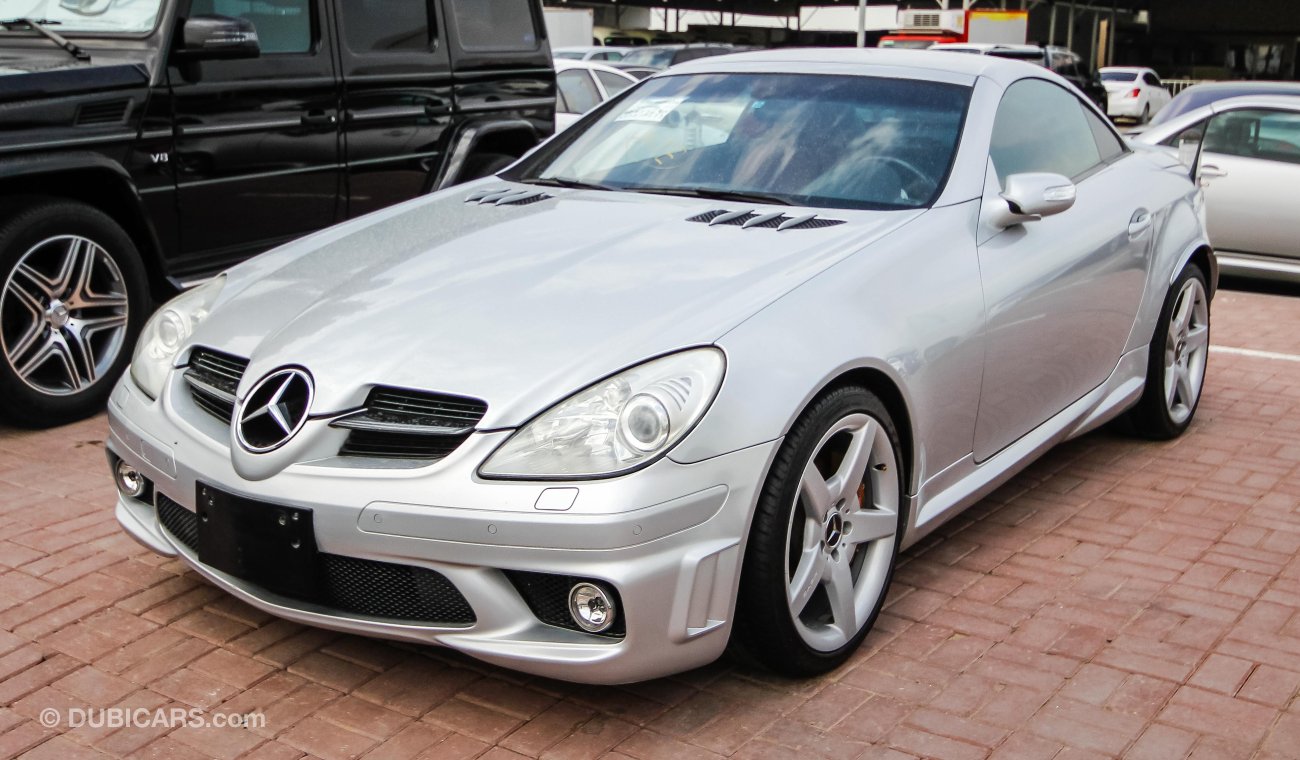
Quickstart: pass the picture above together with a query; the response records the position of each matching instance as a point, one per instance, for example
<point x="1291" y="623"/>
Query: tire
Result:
<point x="1146" y="114"/>
<point x="73" y="297"/>
<point x="789" y="542"/>
<point x="1176" y="360"/>
<point x="482" y="165"/>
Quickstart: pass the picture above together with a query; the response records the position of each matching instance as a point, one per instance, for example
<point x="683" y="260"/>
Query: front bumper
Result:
<point x="668" y="538"/>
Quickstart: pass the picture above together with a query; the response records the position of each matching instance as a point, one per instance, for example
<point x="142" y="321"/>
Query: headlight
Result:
<point x="616" y="425"/>
<point x="167" y="331"/>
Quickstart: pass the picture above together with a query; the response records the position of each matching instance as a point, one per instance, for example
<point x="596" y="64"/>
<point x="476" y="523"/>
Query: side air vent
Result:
<point x="213" y="378"/>
<point x="106" y="112"/>
<point x="507" y="196"/>
<point x="412" y="425"/>
<point x="777" y="220"/>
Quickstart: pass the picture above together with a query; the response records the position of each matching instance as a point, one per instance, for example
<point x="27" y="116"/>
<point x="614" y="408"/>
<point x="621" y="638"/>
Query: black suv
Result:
<point x="148" y="144"/>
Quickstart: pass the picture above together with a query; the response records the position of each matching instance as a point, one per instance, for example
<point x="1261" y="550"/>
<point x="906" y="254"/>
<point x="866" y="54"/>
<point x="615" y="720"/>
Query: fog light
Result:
<point x="592" y="607"/>
<point x="130" y="481"/>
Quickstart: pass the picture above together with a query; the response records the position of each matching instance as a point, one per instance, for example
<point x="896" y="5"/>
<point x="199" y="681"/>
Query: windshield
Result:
<point x="661" y="57"/>
<point x="811" y="140"/>
<point x="1119" y="76"/>
<point x="92" y="16"/>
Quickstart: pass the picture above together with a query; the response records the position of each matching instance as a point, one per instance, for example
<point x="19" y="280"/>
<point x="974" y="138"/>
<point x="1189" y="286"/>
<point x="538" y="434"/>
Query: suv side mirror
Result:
<point x="211" y="38"/>
<point x="1033" y="195"/>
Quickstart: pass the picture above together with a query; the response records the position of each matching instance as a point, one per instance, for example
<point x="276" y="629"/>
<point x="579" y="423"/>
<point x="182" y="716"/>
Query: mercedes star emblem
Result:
<point x="275" y="410"/>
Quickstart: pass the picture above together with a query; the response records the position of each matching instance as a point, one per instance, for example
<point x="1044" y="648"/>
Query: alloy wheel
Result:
<point x="841" y="536"/>
<point x="64" y="311"/>
<point x="1187" y="344"/>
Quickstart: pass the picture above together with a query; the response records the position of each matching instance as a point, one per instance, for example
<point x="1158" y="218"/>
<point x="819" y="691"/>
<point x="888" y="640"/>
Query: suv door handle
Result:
<point x="320" y="119"/>
<point x="1210" y="171"/>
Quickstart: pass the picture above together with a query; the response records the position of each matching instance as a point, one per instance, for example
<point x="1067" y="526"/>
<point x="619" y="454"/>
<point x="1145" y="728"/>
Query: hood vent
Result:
<point x="106" y="112"/>
<point x="777" y="220"/>
<point x="508" y="196"/>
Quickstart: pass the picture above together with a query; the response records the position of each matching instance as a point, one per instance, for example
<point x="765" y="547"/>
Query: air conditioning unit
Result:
<point x="933" y="22"/>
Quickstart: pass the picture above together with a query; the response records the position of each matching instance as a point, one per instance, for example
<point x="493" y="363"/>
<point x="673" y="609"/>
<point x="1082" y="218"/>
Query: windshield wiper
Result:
<point x="58" y="39"/>
<point x="576" y="184"/>
<point x="713" y="193"/>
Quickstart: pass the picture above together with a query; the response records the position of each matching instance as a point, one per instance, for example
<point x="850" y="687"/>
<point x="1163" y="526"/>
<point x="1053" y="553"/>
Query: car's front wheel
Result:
<point x="1176" y="360"/>
<point x="825" y="537"/>
<point x="73" y="296"/>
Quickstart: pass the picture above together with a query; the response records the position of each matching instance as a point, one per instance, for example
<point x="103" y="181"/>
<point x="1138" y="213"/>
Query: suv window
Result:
<point x="494" y="24"/>
<point x="1255" y="133"/>
<point x="577" y="91"/>
<point x="377" y="26"/>
<point x="1151" y="79"/>
<point x="1041" y="127"/>
<point x="283" y="26"/>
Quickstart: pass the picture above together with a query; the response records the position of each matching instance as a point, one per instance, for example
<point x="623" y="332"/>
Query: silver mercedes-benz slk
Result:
<point x="691" y="373"/>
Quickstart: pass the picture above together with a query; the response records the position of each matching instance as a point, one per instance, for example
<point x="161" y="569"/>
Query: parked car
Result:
<point x="137" y="160"/>
<point x="604" y="53"/>
<point x="1249" y="167"/>
<point x="583" y="85"/>
<point x="1063" y="61"/>
<point x="655" y="387"/>
<point x="1200" y="95"/>
<point x="1133" y="93"/>
<point x="662" y="56"/>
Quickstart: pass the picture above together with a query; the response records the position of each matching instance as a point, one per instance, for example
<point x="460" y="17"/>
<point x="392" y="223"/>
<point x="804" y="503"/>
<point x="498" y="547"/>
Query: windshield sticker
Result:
<point x="651" y="109"/>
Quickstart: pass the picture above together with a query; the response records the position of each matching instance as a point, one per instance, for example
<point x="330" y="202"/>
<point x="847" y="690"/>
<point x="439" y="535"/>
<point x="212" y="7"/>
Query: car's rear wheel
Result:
<point x="1177" y="360"/>
<point x="824" y="539"/>
<point x="73" y="297"/>
<point x="1146" y="114"/>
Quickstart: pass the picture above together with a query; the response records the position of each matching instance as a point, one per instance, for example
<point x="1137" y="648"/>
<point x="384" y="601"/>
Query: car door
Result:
<point x="397" y="96"/>
<point x="1250" y="167"/>
<point x="578" y="94"/>
<point x="1157" y="95"/>
<point x="1061" y="292"/>
<point x="257" y="143"/>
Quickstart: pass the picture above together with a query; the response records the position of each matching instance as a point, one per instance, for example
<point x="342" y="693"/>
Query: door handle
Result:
<point x="320" y="119"/>
<point x="1140" y="223"/>
<point x="1210" y="171"/>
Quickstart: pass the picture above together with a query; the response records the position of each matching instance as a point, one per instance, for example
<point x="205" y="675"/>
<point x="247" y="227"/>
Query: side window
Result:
<point x="1041" y="127"/>
<point x="613" y="83"/>
<point x="1193" y="133"/>
<point x="500" y="25"/>
<point x="1253" y="133"/>
<point x="1108" y="143"/>
<point x="376" y="26"/>
<point x="1151" y="79"/>
<point x="283" y="26"/>
<point x="580" y="94"/>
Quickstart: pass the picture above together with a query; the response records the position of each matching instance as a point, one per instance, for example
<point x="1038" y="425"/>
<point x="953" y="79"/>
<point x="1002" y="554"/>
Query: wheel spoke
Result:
<point x="88" y="328"/>
<point x="839" y="589"/>
<point x="1182" y="314"/>
<point x="853" y="467"/>
<point x="53" y="350"/>
<point x="815" y="493"/>
<point x="1185" y="386"/>
<point x="1171" y="385"/>
<point x="82" y="354"/>
<point x="869" y="525"/>
<point x="808" y="575"/>
<point x="76" y="265"/>
<point x="34" y="293"/>
<point x="1197" y="339"/>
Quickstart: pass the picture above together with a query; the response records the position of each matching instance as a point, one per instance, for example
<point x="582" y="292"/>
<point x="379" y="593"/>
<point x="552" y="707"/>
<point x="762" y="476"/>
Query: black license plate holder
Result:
<point x="270" y="545"/>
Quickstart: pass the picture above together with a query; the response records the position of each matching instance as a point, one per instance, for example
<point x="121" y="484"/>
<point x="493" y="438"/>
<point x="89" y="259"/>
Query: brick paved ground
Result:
<point x="1119" y="598"/>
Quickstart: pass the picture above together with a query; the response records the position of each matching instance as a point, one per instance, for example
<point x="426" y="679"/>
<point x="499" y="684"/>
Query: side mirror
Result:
<point x="1031" y="196"/>
<point x="212" y="38"/>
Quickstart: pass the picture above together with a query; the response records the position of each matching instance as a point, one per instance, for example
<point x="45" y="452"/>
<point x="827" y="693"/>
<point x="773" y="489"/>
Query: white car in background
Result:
<point x="1133" y="93"/>
<point x="591" y="53"/>
<point x="1249" y="167"/>
<point x="583" y="85"/>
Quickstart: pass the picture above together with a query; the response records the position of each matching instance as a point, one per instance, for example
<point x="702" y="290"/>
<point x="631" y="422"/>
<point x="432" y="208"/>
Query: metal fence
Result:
<point x="1176" y="86"/>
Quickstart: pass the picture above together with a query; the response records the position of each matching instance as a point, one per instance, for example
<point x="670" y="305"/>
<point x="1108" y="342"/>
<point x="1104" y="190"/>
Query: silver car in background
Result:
<point x="690" y="374"/>
<point x="1250" y="169"/>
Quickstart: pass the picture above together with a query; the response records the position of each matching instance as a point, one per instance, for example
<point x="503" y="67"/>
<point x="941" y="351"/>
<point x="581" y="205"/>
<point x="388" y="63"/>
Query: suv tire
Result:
<point x="73" y="297"/>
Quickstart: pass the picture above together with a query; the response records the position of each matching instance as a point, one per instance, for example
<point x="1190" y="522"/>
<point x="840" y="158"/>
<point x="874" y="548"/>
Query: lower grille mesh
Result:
<point x="547" y="595"/>
<point x="357" y="586"/>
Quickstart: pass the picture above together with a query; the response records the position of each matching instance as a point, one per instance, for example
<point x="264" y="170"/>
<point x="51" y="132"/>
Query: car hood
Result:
<point x="518" y="305"/>
<point x="25" y="74"/>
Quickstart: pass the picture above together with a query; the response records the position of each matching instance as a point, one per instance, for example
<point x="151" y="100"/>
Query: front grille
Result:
<point x="547" y="596"/>
<point x="213" y="378"/>
<point x="357" y="586"/>
<point x="179" y="521"/>
<point x="403" y="424"/>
